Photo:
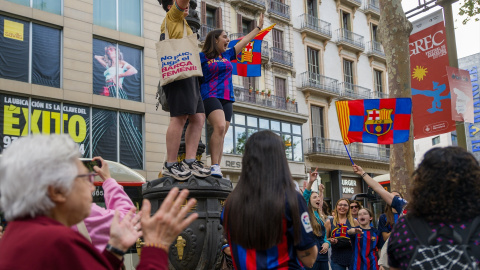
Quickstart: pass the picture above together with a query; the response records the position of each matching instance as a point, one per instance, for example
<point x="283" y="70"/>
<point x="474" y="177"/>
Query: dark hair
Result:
<point x="360" y="206"/>
<point x="255" y="209"/>
<point x="165" y="4"/>
<point x="326" y="209"/>
<point x="209" y="47"/>
<point x="389" y="212"/>
<point x="446" y="186"/>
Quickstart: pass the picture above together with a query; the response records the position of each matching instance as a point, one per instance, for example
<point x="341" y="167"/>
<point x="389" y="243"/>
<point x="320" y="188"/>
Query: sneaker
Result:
<point x="196" y="168"/>
<point x="215" y="171"/>
<point x="176" y="171"/>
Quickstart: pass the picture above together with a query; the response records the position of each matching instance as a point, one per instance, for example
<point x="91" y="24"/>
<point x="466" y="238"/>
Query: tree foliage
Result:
<point x="470" y="8"/>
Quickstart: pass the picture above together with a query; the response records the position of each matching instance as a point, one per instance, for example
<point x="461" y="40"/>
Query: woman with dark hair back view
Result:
<point x="444" y="207"/>
<point x="266" y="220"/>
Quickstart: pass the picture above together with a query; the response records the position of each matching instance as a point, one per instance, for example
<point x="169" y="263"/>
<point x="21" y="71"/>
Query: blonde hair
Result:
<point x="349" y="214"/>
<point x="313" y="219"/>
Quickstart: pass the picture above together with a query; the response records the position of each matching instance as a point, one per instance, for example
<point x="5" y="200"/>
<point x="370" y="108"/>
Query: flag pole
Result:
<point x="348" y="154"/>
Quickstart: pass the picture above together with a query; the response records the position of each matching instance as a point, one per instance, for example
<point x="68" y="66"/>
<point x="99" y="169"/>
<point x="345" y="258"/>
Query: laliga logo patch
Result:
<point x="306" y="222"/>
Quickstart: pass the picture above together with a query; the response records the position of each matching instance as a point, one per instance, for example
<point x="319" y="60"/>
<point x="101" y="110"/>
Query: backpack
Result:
<point x="435" y="256"/>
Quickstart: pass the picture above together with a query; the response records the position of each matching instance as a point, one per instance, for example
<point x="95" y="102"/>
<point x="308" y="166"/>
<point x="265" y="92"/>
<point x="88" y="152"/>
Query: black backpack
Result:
<point x="446" y="256"/>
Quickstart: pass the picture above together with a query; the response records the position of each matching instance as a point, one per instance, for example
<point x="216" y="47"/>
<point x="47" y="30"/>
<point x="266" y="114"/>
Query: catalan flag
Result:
<point x="380" y="121"/>
<point x="249" y="61"/>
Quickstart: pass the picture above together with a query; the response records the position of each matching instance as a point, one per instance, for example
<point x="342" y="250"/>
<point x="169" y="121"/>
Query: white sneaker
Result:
<point x="215" y="169"/>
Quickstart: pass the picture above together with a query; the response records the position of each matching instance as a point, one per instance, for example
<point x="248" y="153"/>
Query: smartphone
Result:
<point x="91" y="163"/>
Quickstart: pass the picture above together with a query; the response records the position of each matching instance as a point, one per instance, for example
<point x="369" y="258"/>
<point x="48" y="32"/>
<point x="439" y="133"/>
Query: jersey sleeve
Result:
<point x="382" y="224"/>
<point x="307" y="239"/>
<point x="398" y="204"/>
<point x="203" y="58"/>
<point x="229" y="54"/>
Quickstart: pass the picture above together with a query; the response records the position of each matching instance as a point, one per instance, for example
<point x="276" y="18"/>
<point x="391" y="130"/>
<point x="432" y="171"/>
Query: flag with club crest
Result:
<point x="380" y="121"/>
<point x="249" y="61"/>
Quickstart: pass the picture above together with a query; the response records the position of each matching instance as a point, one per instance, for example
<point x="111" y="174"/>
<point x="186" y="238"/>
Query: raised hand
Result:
<point x="124" y="233"/>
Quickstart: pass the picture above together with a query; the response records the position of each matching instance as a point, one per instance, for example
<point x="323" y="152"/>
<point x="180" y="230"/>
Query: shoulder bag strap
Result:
<point x="166" y="30"/>
<point x="473" y="227"/>
<point x="82" y="229"/>
<point x="420" y="229"/>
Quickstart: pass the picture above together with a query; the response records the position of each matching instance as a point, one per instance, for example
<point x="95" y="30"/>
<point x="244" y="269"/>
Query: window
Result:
<point x="374" y="32"/>
<point x="454" y="139"/>
<point x="211" y="16"/>
<point x="117" y="70"/>
<point x="436" y="140"/>
<point x="312" y="8"/>
<point x="346" y="21"/>
<point x="280" y="87"/>
<point x="313" y="61"/>
<point x="52" y="6"/>
<point x="29" y="52"/>
<point x="277" y="38"/>
<point x="348" y="74"/>
<point x="121" y="15"/>
<point x="317" y="122"/>
<point x="378" y="80"/>
<point x="247" y="26"/>
<point x="114" y="135"/>
<point x="243" y="126"/>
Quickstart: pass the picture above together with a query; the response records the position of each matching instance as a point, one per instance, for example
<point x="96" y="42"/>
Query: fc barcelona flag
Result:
<point x="249" y="61"/>
<point x="380" y="121"/>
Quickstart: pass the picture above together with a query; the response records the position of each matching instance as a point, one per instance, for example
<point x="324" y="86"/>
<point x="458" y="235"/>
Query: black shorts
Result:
<point x="213" y="103"/>
<point x="184" y="97"/>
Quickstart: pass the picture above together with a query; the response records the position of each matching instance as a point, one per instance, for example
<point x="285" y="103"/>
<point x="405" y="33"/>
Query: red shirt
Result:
<point x="44" y="243"/>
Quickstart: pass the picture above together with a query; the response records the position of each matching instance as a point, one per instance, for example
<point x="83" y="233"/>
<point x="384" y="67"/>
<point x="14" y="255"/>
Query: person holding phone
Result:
<point x="99" y="221"/>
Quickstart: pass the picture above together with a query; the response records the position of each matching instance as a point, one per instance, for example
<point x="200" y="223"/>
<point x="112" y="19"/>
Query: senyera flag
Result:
<point x="380" y="121"/>
<point x="249" y="61"/>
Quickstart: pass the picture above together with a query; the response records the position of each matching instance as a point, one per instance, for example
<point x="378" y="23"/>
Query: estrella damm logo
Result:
<point x="379" y="122"/>
<point x="247" y="53"/>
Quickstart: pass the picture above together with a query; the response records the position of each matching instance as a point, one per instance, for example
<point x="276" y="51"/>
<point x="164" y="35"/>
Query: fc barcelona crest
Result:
<point x="247" y="53"/>
<point x="379" y="122"/>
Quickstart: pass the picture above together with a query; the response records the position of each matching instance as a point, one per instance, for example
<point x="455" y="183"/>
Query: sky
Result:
<point x="467" y="36"/>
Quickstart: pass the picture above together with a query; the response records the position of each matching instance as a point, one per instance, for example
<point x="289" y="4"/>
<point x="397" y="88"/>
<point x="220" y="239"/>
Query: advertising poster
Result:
<point x="461" y="92"/>
<point x="76" y="122"/>
<point x="116" y="70"/>
<point x="14" y="119"/>
<point x="131" y="141"/>
<point x="104" y="134"/>
<point x="14" y="46"/>
<point x="45" y="117"/>
<point x="431" y="98"/>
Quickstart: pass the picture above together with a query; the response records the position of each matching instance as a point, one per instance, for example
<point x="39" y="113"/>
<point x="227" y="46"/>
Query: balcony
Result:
<point x="279" y="10"/>
<point x="281" y="57"/>
<point x="352" y="91"/>
<point x="350" y="40"/>
<point x="378" y="94"/>
<point x="254" y="5"/>
<point x="265" y="51"/>
<point x="350" y="3"/>
<point x="314" y="27"/>
<point x="326" y="149"/>
<point x="236" y="35"/>
<point x="375" y="50"/>
<point x="319" y="84"/>
<point x="204" y="30"/>
<point x="372" y="7"/>
<point x="274" y="102"/>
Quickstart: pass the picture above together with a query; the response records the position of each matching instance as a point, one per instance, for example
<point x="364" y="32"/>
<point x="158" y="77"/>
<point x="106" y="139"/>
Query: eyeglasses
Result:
<point x="354" y="206"/>
<point x="343" y="205"/>
<point x="91" y="176"/>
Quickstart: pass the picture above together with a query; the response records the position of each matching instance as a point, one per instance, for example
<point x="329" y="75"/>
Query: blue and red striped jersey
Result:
<point x="365" y="250"/>
<point x="282" y="256"/>
<point x="217" y="76"/>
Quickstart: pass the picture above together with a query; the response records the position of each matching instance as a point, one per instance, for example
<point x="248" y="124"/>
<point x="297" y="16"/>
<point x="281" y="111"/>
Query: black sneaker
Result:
<point x="176" y="171"/>
<point x="196" y="168"/>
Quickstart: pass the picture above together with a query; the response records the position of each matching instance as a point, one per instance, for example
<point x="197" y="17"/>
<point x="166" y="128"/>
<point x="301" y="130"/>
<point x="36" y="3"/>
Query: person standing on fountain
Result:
<point x="217" y="86"/>
<point x="185" y="103"/>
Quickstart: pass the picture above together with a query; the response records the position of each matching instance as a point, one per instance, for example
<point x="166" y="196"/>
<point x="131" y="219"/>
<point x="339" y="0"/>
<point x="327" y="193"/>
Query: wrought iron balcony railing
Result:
<point x="378" y="94"/>
<point x="244" y="95"/>
<point x="279" y="8"/>
<point x="236" y="35"/>
<point x="372" y="5"/>
<point x="258" y="2"/>
<point x="281" y="56"/>
<point x="354" y="91"/>
<point x="317" y="145"/>
<point x="348" y="36"/>
<point x="315" y="80"/>
<point x="375" y="47"/>
<point x="314" y="23"/>
<point x="265" y="51"/>
<point x="204" y="30"/>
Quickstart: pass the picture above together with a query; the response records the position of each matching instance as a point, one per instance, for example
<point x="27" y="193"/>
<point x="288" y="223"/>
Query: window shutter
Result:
<point x="203" y="19"/>
<point x="218" y="18"/>
<point x="239" y="23"/>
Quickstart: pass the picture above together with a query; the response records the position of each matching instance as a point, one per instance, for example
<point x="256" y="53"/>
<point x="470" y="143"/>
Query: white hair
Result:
<point x="29" y="166"/>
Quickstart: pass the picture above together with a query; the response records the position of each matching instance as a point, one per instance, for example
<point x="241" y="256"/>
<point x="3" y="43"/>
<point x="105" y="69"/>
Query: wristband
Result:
<point x="160" y="246"/>
<point x="363" y="175"/>
<point x="260" y="29"/>
<point x="114" y="250"/>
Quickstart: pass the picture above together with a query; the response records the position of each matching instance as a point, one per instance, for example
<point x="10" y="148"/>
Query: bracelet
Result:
<point x="115" y="250"/>
<point x="363" y="175"/>
<point x="260" y="29"/>
<point x="160" y="246"/>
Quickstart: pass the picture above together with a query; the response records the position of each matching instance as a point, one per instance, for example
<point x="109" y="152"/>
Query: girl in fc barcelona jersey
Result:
<point x="341" y="222"/>
<point x="364" y="242"/>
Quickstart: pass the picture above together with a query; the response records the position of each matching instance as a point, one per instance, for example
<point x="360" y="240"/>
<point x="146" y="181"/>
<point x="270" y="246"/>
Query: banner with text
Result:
<point x="431" y="98"/>
<point x="461" y="92"/>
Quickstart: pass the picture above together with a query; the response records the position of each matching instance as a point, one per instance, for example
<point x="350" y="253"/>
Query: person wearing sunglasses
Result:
<point x="355" y="206"/>
<point x="45" y="190"/>
<point x="97" y="224"/>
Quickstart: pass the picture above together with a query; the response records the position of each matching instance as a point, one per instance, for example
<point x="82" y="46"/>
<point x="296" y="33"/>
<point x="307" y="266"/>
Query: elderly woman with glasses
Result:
<point x="45" y="189"/>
